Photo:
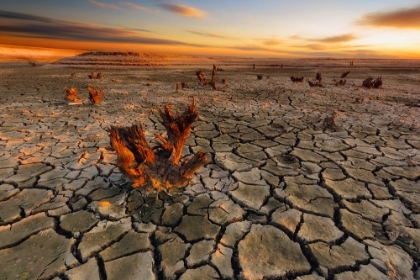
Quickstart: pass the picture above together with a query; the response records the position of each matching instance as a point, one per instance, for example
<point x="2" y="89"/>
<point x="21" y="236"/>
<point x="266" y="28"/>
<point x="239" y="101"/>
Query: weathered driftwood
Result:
<point x="296" y="79"/>
<point x="344" y="74"/>
<point x="95" y="96"/>
<point x="71" y="95"/>
<point x="371" y="83"/>
<point x="159" y="167"/>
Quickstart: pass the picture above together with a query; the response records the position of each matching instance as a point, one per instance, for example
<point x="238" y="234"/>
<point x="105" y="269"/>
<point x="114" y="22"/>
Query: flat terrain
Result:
<point x="285" y="196"/>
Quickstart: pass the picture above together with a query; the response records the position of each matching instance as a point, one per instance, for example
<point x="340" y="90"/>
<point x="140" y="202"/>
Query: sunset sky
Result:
<point x="269" y="28"/>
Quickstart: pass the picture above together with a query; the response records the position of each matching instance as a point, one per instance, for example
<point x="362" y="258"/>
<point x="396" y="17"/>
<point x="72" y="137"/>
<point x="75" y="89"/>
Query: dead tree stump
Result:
<point x="159" y="167"/>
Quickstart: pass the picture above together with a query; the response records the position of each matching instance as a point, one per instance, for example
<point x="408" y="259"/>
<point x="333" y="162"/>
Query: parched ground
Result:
<point x="284" y="196"/>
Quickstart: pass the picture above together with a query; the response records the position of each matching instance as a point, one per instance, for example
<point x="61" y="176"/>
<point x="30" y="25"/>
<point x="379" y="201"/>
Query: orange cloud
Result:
<point x="336" y="39"/>
<point x="103" y="5"/>
<point x="136" y="7"/>
<point x="401" y="18"/>
<point x="182" y="10"/>
<point x="211" y="35"/>
<point x="271" y="42"/>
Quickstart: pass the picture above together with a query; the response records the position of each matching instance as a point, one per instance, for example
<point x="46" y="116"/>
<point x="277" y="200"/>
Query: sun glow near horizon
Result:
<point x="322" y="28"/>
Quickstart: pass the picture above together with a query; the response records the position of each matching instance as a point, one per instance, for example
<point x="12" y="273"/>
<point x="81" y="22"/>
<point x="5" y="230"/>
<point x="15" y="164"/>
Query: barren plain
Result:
<point x="285" y="196"/>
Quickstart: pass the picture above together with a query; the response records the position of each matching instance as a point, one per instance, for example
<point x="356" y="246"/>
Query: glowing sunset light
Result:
<point x="319" y="28"/>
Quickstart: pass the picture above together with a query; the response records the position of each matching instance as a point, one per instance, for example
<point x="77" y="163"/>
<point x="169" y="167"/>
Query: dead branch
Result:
<point x="318" y="77"/>
<point x="201" y="78"/>
<point x="95" y="96"/>
<point x="344" y="74"/>
<point x="341" y="83"/>
<point x="71" y="94"/>
<point x="412" y="105"/>
<point x="213" y="74"/>
<point x="159" y="167"/>
<point x="203" y="81"/>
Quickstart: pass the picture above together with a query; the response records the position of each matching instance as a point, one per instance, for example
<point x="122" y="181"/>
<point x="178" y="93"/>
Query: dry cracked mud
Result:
<point x="283" y="197"/>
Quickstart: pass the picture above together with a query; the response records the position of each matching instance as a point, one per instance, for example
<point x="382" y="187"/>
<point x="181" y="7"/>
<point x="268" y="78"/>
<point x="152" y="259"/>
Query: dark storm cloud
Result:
<point x="26" y="25"/>
<point x="13" y="15"/>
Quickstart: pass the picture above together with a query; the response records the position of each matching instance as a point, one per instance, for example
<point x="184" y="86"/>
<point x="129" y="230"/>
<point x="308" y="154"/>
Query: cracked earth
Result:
<point x="283" y="197"/>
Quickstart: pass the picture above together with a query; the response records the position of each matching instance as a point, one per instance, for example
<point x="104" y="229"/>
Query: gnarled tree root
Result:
<point x="158" y="167"/>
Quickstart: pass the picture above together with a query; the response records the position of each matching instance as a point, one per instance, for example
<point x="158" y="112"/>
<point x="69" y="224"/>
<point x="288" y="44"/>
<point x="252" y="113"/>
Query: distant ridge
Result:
<point x="135" y="54"/>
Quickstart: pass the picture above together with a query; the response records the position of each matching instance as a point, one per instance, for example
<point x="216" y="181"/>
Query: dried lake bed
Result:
<point x="284" y="196"/>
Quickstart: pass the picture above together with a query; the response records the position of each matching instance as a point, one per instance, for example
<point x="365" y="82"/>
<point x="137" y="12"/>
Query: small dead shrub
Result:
<point x="71" y="94"/>
<point x="95" y="96"/>
<point x="296" y="79"/>
<point x="92" y="75"/>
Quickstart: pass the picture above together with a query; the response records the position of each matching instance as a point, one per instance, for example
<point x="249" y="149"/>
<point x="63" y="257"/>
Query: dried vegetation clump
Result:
<point x="359" y="100"/>
<point x="329" y="121"/>
<point x="317" y="82"/>
<point x="93" y="76"/>
<point x="296" y="79"/>
<point x="203" y="81"/>
<point x="159" y="167"/>
<point x="184" y="85"/>
<point x="341" y="83"/>
<point x="371" y="83"/>
<point x="95" y="96"/>
<point x="71" y="94"/>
